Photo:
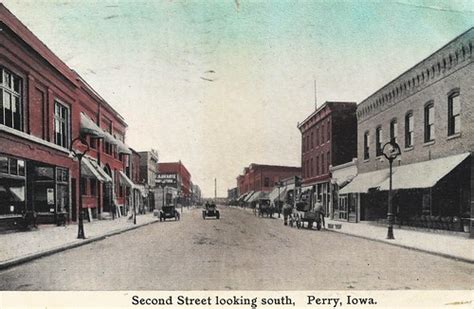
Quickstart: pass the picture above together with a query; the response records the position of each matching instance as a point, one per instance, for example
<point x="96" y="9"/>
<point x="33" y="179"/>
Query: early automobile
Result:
<point x="210" y="210"/>
<point x="168" y="212"/>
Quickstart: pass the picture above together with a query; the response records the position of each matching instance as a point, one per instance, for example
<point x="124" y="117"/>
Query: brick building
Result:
<point x="45" y="106"/>
<point x="183" y="178"/>
<point x="148" y="171"/>
<point x="329" y="137"/>
<point x="428" y="111"/>
<point x="261" y="177"/>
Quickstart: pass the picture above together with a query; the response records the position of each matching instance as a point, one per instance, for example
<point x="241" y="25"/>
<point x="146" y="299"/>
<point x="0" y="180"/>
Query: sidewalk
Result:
<point x="458" y="247"/>
<point x="23" y="246"/>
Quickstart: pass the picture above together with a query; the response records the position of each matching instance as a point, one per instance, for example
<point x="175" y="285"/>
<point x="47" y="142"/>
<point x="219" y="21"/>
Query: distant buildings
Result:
<point x="176" y="175"/>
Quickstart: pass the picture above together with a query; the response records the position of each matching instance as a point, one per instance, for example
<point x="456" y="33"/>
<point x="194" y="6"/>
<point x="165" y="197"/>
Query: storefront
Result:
<point x="12" y="189"/>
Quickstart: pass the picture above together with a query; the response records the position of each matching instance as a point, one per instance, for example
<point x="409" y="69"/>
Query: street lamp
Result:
<point x="79" y="155"/>
<point x="391" y="150"/>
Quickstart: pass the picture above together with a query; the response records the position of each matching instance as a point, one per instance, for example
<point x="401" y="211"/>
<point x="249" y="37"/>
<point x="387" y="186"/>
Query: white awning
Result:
<point x="242" y="197"/>
<point x="274" y="194"/>
<point x="142" y="190"/>
<point x="88" y="126"/>
<point x="100" y="171"/>
<point x="246" y="199"/>
<point x="126" y="180"/>
<point x="88" y="170"/>
<point x="363" y="182"/>
<point x="422" y="174"/>
<point x="258" y="195"/>
<point x="411" y="176"/>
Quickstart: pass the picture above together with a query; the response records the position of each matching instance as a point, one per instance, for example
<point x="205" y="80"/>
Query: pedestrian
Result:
<point x="319" y="210"/>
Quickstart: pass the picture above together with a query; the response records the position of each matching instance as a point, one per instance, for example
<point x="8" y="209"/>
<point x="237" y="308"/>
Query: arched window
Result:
<point x="366" y="145"/>
<point x="378" y="141"/>
<point x="454" y="113"/>
<point x="409" y="130"/>
<point x="393" y="130"/>
<point x="429" y="122"/>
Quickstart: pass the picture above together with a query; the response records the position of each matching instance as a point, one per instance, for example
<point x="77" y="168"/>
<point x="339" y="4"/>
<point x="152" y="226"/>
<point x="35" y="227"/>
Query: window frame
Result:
<point x="428" y="122"/>
<point x="366" y="150"/>
<point x="14" y="96"/>
<point x="394" y="129"/>
<point x="409" y="134"/>
<point x="65" y="136"/>
<point x="378" y="141"/>
<point x="453" y="118"/>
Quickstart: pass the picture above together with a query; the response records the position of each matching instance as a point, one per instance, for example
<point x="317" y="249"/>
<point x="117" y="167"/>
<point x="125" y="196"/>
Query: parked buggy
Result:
<point x="210" y="210"/>
<point x="265" y="208"/>
<point x="168" y="212"/>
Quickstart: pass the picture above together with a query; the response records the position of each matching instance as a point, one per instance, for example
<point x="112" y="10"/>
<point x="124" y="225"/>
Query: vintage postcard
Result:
<point x="236" y="153"/>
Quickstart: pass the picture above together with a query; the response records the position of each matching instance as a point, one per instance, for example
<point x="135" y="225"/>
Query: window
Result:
<point x="328" y="160"/>
<point x="366" y="145"/>
<point x="378" y="141"/>
<point x="93" y="187"/>
<point x="11" y="106"/>
<point x="311" y="140"/>
<point x="328" y="132"/>
<point x="266" y="182"/>
<point x="322" y="163"/>
<point x="61" y="125"/>
<point x="393" y="130"/>
<point x="317" y="165"/>
<point x="454" y="113"/>
<point x="322" y="134"/>
<point x="12" y="166"/>
<point x="409" y="133"/>
<point x="311" y="168"/>
<point x="317" y="136"/>
<point x="429" y="122"/>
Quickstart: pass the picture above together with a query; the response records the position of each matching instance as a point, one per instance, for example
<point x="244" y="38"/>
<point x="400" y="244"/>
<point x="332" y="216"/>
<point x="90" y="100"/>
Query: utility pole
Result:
<point x="215" y="190"/>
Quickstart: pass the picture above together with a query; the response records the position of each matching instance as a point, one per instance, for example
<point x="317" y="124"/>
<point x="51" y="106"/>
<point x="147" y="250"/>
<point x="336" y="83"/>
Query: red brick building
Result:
<point x="261" y="177"/>
<point x="183" y="176"/>
<point x="329" y="137"/>
<point x="45" y="106"/>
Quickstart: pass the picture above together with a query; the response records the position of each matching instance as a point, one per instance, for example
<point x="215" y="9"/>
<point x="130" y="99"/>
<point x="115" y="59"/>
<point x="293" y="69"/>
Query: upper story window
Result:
<point x="429" y="122"/>
<point x="454" y="114"/>
<point x="62" y="124"/>
<point x="317" y="136"/>
<point x="11" y="106"/>
<point x="317" y="165"/>
<point x="322" y="163"/>
<point x="322" y="134"/>
<point x="378" y="141"/>
<point x="311" y="168"/>
<point x="328" y="130"/>
<point x="328" y="160"/>
<point x="409" y="130"/>
<point x="394" y="130"/>
<point x="366" y="145"/>
<point x="311" y="139"/>
<point x="266" y="182"/>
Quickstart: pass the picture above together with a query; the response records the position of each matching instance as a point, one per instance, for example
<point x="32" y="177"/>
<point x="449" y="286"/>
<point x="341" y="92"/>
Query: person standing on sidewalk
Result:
<point x="319" y="210"/>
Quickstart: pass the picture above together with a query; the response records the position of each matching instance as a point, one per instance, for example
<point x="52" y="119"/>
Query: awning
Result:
<point x="88" y="170"/>
<point x="363" y="182"/>
<point x="88" y="126"/>
<point x="242" y="197"/>
<point x="258" y="195"/>
<point x="100" y="171"/>
<point x="274" y="194"/>
<point x="411" y="176"/>
<point x="246" y="199"/>
<point x="422" y="174"/>
<point x="128" y="182"/>
<point x="142" y="190"/>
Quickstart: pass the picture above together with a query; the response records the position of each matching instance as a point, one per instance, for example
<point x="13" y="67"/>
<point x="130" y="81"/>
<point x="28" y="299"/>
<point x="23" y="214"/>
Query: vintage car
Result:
<point x="210" y="210"/>
<point x="168" y="212"/>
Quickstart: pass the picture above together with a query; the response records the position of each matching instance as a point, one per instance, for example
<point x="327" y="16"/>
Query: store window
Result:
<point x="12" y="186"/>
<point x="409" y="131"/>
<point x="62" y="190"/>
<point x="454" y="114"/>
<point x="11" y="100"/>
<point x="429" y="122"/>
<point x="61" y="125"/>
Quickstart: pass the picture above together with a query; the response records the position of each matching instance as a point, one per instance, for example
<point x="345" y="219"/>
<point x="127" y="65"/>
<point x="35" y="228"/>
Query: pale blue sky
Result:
<point x="151" y="61"/>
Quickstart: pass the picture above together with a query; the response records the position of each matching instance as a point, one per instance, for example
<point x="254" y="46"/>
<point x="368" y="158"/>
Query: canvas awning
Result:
<point x="127" y="181"/>
<point x="242" y="197"/>
<point x="258" y="195"/>
<point x="411" y="176"/>
<point x="88" y="170"/>
<point x="422" y="174"/>
<point x="246" y="199"/>
<point x="142" y="190"/>
<point x="88" y="126"/>
<point x="274" y="194"/>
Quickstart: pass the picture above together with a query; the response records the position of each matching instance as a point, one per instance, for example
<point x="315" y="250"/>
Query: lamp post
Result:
<point x="134" y="199"/>
<point x="79" y="155"/>
<point x="391" y="150"/>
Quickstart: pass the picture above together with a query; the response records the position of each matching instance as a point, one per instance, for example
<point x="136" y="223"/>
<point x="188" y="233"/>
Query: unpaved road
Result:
<point x="237" y="252"/>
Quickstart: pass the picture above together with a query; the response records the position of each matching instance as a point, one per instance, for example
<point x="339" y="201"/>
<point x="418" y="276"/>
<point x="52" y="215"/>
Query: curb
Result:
<point x="78" y="243"/>
<point x="445" y="255"/>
